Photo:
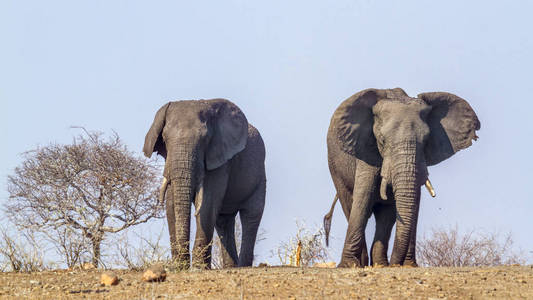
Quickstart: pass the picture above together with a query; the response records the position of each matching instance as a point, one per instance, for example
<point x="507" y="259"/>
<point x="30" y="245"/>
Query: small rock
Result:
<point x="109" y="278"/>
<point x="35" y="282"/>
<point x="155" y="273"/>
<point x="330" y="264"/>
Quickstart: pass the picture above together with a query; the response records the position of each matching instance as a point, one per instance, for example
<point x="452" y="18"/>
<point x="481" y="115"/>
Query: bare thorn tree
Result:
<point x="93" y="187"/>
<point x="448" y="248"/>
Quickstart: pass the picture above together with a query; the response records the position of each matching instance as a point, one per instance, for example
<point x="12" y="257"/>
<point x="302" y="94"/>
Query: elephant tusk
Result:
<point x="383" y="189"/>
<point x="430" y="188"/>
<point x="163" y="190"/>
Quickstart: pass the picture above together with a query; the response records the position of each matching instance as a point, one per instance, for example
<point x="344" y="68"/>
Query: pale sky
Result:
<point x="109" y="65"/>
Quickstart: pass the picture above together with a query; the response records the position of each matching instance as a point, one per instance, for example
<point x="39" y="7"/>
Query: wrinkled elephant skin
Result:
<point x="380" y="143"/>
<point x="214" y="159"/>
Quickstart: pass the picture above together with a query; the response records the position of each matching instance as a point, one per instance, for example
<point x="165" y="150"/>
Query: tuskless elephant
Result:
<point x="215" y="159"/>
<point x="380" y="144"/>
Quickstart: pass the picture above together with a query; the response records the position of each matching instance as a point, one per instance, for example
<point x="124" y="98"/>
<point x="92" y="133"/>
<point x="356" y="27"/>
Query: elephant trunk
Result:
<point x="183" y="188"/>
<point x="406" y="177"/>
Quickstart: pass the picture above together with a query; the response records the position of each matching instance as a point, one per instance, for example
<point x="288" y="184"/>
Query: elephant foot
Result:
<point x="179" y="264"/>
<point x="380" y="264"/>
<point x="349" y="264"/>
<point x="410" y="264"/>
<point x="227" y="266"/>
<point x="200" y="266"/>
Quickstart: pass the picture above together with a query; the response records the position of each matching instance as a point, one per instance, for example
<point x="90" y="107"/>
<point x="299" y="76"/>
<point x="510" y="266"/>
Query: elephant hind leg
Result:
<point x="250" y="216"/>
<point x="225" y="226"/>
<point x="364" y="254"/>
<point x="346" y="198"/>
<point x="385" y="217"/>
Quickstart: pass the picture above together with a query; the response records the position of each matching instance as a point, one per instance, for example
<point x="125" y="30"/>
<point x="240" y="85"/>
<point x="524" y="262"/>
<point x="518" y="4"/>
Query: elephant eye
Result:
<point x="425" y="112"/>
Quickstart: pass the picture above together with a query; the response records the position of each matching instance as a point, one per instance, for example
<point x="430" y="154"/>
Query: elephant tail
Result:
<point x="328" y="217"/>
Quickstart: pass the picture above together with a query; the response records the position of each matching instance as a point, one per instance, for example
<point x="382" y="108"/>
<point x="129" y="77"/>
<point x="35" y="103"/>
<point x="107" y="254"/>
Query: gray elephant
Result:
<point x="214" y="158"/>
<point x="380" y="143"/>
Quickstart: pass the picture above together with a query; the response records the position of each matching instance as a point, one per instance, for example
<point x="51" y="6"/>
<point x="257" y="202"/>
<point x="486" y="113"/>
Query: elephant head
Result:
<point x="194" y="137"/>
<point x="403" y="136"/>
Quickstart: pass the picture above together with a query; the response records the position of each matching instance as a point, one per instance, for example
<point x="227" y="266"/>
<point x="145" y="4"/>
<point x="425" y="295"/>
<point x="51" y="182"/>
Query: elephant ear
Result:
<point x="452" y="123"/>
<point x="153" y="141"/>
<point x="230" y="133"/>
<point x="353" y="121"/>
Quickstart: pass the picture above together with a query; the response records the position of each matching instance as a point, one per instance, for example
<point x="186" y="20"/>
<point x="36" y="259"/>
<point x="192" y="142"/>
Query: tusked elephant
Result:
<point x="380" y="143"/>
<point x="215" y="159"/>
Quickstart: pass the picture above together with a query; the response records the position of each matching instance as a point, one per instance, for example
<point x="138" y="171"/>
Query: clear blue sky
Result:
<point x="288" y="64"/>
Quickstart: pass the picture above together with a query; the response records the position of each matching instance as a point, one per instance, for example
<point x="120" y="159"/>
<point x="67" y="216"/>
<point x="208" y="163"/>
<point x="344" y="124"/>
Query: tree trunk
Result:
<point x="96" y="241"/>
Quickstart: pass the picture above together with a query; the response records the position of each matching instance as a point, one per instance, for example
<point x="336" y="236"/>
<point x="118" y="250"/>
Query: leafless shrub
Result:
<point x="72" y="247"/>
<point x="141" y="255"/>
<point x="86" y="189"/>
<point x="216" y="251"/>
<point x="312" y="247"/>
<point x="22" y="254"/>
<point x="448" y="248"/>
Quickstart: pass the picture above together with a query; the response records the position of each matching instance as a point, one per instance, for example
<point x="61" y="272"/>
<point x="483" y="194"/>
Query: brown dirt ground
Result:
<point x="508" y="282"/>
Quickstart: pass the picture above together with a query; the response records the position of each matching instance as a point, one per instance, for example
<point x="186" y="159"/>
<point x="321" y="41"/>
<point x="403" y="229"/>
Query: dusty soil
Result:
<point x="509" y="282"/>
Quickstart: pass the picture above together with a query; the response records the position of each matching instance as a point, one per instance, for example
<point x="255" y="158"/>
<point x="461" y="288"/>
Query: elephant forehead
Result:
<point x="185" y="111"/>
<point x="405" y="104"/>
<point x="185" y="106"/>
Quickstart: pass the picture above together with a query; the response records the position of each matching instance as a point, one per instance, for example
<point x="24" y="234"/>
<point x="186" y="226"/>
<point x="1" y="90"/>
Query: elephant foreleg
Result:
<point x="208" y="202"/>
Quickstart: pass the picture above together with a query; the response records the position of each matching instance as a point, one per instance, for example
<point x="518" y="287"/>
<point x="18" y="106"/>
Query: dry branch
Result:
<point x="86" y="189"/>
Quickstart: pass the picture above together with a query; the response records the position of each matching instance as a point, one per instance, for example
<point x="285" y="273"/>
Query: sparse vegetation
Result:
<point x="78" y="193"/>
<point x="449" y="248"/>
<point x="24" y="252"/>
<point x="311" y="250"/>
<point x="138" y="256"/>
